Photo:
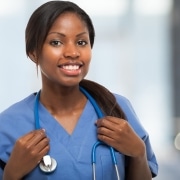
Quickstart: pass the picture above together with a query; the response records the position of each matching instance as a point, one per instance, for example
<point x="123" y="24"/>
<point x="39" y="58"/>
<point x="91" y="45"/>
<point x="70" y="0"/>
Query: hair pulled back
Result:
<point x="104" y="98"/>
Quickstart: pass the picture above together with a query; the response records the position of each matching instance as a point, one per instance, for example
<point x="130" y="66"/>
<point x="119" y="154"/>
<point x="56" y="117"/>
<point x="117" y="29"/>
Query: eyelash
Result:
<point x="82" y="43"/>
<point x="55" y="43"/>
<point x="58" y="43"/>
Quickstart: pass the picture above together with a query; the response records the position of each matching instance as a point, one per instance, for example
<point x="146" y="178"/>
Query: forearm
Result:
<point x="9" y="177"/>
<point x="138" y="169"/>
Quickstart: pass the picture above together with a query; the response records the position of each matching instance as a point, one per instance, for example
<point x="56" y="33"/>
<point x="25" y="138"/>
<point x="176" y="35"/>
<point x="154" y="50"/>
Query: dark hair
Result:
<point x="104" y="98"/>
<point x="43" y="18"/>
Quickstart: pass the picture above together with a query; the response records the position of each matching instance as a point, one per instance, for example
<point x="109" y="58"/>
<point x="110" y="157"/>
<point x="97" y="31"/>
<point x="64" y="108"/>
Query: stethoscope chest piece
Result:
<point x="48" y="164"/>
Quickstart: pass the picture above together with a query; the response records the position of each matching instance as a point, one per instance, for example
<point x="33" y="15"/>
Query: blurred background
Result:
<point x="135" y="54"/>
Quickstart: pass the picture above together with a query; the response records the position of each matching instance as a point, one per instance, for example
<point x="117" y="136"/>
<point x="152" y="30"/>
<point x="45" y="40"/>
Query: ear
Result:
<point x="33" y="57"/>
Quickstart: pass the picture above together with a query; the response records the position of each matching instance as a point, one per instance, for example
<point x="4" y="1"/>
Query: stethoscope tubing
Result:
<point x="98" y="143"/>
<point x="36" y="111"/>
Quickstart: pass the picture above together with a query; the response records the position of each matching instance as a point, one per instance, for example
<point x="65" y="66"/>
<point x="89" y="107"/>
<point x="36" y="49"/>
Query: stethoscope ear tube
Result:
<point x="93" y="157"/>
<point x="93" y="102"/>
<point x="47" y="164"/>
<point x="36" y="114"/>
<point x="93" y="154"/>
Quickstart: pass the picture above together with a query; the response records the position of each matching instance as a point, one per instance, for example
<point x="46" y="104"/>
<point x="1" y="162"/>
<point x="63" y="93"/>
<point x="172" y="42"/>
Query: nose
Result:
<point x="71" y="51"/>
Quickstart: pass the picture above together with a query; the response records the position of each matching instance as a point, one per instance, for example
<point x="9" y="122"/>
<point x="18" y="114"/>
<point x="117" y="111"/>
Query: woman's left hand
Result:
<point x="118" y="133"/>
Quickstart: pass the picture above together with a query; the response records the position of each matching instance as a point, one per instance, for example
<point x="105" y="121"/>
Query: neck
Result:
<point x="65" y="106"/>
<point x="62" y="100"/>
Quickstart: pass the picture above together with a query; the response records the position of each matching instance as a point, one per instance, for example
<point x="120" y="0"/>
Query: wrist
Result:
<point x="141" y="151"/>
<point x="10" y="175"/>
<point x="140" y="157"/>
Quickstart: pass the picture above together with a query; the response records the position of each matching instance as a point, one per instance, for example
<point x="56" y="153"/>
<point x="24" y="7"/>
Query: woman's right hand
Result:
<point x="26" y="154"/>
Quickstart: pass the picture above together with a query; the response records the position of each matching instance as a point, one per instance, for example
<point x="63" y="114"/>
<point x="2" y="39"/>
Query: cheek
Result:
<point x="50" y="51"/>
<point x="46" y="62"/>
<point x="88" y="56"/>
<point x="48" y="56"/>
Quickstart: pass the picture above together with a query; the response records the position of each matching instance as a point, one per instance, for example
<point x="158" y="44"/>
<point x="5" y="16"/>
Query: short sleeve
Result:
<point x="139" y="129"/>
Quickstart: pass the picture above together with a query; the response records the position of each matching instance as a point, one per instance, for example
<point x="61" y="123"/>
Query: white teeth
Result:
<point x="70" y="67"/>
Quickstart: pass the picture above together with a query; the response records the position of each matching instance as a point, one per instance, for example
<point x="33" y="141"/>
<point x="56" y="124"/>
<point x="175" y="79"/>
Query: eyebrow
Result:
<point x="61" y="34"/>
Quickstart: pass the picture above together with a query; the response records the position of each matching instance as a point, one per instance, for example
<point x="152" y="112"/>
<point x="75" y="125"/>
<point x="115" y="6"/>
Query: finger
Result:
<point x="105" y="122"/>
<point x="112" y="123"/>
<point x="40" y="152"/>
<point x="44" y="151"/>
<point x="107" y="140"/>
<point x="26" y="139"/>
<point x="107" y="135"/>
<point x="114" y="120"/>
<point x="104" y="131"/>
<point x="37" y="137"/>
<point x="42" y="145"/>
<point x="29" y="135"/>
<point x="31" y="140"/>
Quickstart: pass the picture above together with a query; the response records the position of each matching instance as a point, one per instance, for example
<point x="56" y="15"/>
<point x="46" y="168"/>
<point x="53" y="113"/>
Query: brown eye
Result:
<point x="55" y="43"/>
<point x="82" y="43"/>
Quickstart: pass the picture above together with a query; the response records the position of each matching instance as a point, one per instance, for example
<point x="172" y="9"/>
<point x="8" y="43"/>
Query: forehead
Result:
<point x="69" y="20"/>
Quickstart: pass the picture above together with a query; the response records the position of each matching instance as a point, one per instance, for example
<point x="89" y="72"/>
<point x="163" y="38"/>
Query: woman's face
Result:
<point x="66" y="52"/>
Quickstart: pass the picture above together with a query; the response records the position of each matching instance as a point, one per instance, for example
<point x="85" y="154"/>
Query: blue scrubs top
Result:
<point x="72" y="152"/>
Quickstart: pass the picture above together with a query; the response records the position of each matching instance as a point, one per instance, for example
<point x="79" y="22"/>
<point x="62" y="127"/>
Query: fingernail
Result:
<point x="44" y="130"/>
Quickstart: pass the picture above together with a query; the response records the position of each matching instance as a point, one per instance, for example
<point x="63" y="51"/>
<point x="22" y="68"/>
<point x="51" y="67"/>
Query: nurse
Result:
<point x="59" y="40"/>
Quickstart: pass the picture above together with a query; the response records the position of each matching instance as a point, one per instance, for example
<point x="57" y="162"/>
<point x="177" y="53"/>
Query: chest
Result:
<point x="68" y="120"/>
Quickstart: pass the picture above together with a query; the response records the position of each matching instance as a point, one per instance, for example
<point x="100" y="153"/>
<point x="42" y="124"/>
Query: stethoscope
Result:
<point x="49" y="164"/>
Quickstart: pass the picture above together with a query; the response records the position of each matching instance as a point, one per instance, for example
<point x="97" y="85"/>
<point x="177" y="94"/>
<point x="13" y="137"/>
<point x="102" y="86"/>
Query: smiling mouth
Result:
<point x="71" y="67"/>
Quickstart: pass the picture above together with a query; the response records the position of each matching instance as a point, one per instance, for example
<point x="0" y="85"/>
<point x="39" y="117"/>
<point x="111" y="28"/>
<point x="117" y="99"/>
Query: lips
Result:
<point x="71" y="67"/>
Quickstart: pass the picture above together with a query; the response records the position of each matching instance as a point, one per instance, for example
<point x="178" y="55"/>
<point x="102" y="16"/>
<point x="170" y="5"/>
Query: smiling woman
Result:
<point x="65" y="112"/>
<point x="65" y="54"/>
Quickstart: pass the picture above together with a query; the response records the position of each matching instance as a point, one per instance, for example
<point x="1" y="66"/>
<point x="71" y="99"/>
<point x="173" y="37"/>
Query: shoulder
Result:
<point x="131" y="115"/>
<point x="125" y="104"/>
<point x="17" y="120"/>
<point x="18" y="110"/>
<point x="122" y="100"/>
<point x="19" y="106"/>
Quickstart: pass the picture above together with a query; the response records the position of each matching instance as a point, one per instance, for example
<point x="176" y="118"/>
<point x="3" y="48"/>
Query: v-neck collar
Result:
<point x="55" y="130"/>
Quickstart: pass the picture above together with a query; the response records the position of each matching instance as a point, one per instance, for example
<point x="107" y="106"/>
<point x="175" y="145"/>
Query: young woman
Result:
<point x="50" y="134"/>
